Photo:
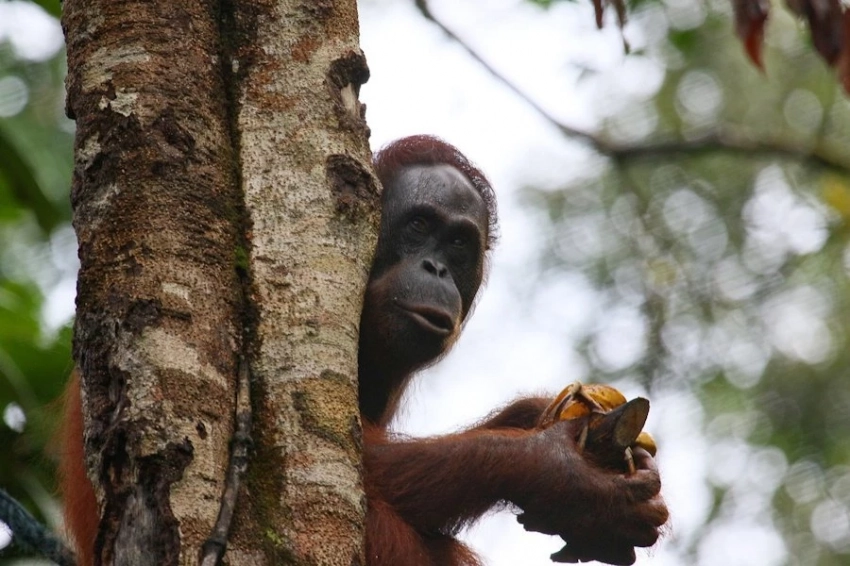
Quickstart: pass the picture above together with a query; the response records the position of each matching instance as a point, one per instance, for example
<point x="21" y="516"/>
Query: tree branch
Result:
<point x="214" y="547"/>
<point x="568" y="131"/>
<point x="719" y="140"/>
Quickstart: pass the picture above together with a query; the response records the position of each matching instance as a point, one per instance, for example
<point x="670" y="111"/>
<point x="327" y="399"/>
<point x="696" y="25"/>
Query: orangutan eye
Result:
<point x="418" y="224"/>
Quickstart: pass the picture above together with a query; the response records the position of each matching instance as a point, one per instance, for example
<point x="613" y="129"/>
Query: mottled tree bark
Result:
<point x="225" y="211"/>
<point x="312" y="207"/>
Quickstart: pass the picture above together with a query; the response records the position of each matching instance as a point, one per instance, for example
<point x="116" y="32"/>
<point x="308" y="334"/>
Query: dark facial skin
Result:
<point x="427" y="270"/>
<point x="433" y="214"/>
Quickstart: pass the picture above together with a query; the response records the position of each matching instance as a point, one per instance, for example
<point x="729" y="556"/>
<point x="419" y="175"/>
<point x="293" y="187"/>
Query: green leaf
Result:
<point x="52" y="7"/>
<point x="18" y="178"/>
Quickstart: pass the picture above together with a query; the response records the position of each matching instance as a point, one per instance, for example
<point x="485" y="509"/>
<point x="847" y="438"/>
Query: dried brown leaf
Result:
<point x="827" y="27"/>
<point x="620" y="7"/>
<point x="599" y="9"/>
<point x="750" y="18"/>
<point x="842" y="65"/>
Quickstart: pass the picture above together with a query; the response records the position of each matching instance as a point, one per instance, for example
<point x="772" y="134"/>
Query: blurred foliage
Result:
<point x="723" y="276"/>
<point x="35" y="242"/>
<point x="828" y="22"/>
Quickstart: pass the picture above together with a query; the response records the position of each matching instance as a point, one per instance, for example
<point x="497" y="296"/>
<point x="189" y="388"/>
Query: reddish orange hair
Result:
<point x="81" y="510"/>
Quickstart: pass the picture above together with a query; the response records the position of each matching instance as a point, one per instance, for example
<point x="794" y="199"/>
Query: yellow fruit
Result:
<point x="596" y="400"/>
<point x="645" y="441"/>
<point x="578" y="400"/>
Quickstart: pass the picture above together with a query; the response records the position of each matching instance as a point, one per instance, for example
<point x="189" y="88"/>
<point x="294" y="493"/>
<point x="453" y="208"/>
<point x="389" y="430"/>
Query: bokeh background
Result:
<point x="673" y="222"/>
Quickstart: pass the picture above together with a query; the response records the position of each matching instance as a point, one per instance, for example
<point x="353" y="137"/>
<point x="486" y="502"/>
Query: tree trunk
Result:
<point x="225" y="211"/>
